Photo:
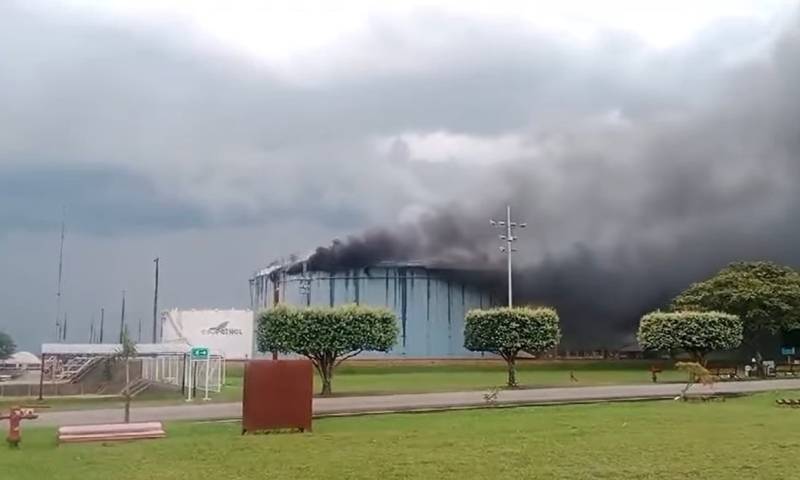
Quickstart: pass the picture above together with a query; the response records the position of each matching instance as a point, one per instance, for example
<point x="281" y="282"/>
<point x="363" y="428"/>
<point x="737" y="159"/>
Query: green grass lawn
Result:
<point x="370" y="378"/>
<point x="747" y="438"/>
<point x="381" y="377"/>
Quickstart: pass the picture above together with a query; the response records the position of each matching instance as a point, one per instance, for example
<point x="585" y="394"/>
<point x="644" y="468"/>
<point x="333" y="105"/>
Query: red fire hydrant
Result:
<point x="15" y="418"/>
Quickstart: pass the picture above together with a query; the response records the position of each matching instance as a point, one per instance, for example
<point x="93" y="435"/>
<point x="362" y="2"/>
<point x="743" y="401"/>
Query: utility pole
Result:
<point x="60" y="271"/>
<point x="91" y="330"/>
<point x="64" y="330"/>
<point x="122" y="319"/>
<point x="102" y="322"/>
<point x="139" y="338"/>
<point x="155" y="306"/>
<point x="509" y="239"/>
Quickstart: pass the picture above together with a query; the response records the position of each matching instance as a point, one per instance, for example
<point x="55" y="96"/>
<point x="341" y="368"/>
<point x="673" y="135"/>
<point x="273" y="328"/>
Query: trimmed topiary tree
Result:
<point x="508" y="331"/>
<point x="326" y="336"/>
<point x="696" y="333"/>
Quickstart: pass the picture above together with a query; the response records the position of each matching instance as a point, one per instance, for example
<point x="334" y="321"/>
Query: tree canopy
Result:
<point x="766" y="296"/>
<point x="7" y="346"/>
<point x="508" y="331"/>
<point x="326" y="336"/>
<point x="697" y="333"/>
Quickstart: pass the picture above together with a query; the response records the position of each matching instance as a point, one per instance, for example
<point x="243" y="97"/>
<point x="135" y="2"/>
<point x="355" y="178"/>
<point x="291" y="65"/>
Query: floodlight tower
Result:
<point x="509" y="239"/>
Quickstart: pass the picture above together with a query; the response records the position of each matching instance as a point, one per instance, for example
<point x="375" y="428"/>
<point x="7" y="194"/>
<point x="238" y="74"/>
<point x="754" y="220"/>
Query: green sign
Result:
<point x="787" y="351"/>
<point x="199" y="352"/>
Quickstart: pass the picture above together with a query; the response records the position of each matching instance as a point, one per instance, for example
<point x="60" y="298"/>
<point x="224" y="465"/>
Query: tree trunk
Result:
<point x="511" y="362"/>
<point x="327" y="378"/>
<point x="700" y="358"/>
<point x="127" y="390"/>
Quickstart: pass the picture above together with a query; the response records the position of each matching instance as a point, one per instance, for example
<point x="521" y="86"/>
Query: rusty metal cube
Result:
<point x="277" y="395"/>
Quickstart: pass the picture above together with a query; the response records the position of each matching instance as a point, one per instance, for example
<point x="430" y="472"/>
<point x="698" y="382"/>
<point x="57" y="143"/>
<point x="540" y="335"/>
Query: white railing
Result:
<point x="204" y="375"/>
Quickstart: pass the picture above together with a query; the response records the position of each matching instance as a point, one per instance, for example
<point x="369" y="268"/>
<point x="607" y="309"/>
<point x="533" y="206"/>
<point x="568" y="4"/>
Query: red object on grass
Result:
<point x="277" y="395"/>
<point x="15" y="418"/>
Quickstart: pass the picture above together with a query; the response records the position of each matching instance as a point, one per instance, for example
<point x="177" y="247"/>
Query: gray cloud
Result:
<point x="101" y="200"/>
<point x="157" y="147"/>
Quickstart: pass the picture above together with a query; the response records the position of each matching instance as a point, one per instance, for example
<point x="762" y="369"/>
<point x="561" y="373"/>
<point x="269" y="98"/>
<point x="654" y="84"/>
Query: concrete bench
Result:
<point x="110" y="432"/>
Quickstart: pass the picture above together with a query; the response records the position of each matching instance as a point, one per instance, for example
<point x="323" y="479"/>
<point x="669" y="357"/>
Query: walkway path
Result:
<point x="414" y="402"/>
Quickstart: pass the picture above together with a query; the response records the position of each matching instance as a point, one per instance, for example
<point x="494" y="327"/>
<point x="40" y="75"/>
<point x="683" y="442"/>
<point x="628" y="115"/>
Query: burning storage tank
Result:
<point x="430" y="303"/>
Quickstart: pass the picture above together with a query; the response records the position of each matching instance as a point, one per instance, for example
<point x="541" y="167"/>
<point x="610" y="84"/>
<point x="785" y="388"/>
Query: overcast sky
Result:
<point x="219" y="138"/>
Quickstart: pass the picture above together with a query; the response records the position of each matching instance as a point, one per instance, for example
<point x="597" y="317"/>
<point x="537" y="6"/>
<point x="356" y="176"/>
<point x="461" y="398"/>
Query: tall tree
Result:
<point x="766" y="296"/>
<point x="7" y="346"/>
<point x="508" y="331"/>
<point x="327" y="336"/>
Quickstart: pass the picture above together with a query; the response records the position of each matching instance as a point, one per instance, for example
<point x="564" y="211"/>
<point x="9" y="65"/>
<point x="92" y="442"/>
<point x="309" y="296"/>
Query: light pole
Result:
<point x="155" y="304"/>
<point x="509" y="239"/>
<point x="102" y="322"/>
<point x="60" y="272"/>
<point x="122" y="319"/>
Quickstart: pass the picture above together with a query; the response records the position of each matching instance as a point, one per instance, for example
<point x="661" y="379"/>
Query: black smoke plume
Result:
<point x="624" y="215"/>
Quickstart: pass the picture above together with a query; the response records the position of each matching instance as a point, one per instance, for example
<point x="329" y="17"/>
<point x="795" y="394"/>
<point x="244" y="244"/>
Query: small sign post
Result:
<point x="196" y="353"/>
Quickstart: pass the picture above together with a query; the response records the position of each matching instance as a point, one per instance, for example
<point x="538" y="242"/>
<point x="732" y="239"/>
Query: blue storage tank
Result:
<point x="430" y="303"/>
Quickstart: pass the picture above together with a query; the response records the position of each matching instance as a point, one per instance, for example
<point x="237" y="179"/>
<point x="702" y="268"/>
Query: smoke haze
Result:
<point x="624" y="213"/>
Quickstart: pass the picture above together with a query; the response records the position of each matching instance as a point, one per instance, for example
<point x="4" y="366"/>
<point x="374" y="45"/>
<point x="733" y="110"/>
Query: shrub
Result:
<point x="509" y="331"/>
<point x="326" y="336"/>
<point x="697" y="333"/>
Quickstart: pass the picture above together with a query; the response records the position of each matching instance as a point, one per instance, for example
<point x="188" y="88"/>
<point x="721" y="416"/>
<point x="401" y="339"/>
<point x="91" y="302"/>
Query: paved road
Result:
<point x="412" y="402"/>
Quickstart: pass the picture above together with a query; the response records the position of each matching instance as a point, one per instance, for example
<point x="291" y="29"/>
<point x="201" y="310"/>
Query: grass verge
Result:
<point x="739" y="438"/>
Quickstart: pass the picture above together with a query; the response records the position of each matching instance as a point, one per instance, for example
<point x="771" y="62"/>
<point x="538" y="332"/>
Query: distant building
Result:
<point x="21" y="361"/>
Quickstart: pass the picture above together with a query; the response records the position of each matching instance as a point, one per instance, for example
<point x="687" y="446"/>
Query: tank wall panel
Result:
<point x="430" y="309"/>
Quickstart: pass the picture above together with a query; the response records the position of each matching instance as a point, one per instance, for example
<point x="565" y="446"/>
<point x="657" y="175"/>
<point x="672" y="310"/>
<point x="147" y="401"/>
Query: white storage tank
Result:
<point x="430" y="303"/>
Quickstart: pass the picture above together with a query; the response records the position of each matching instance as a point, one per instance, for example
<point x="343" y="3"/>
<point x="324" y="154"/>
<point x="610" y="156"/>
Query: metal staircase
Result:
<point x="73" y="369"/>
